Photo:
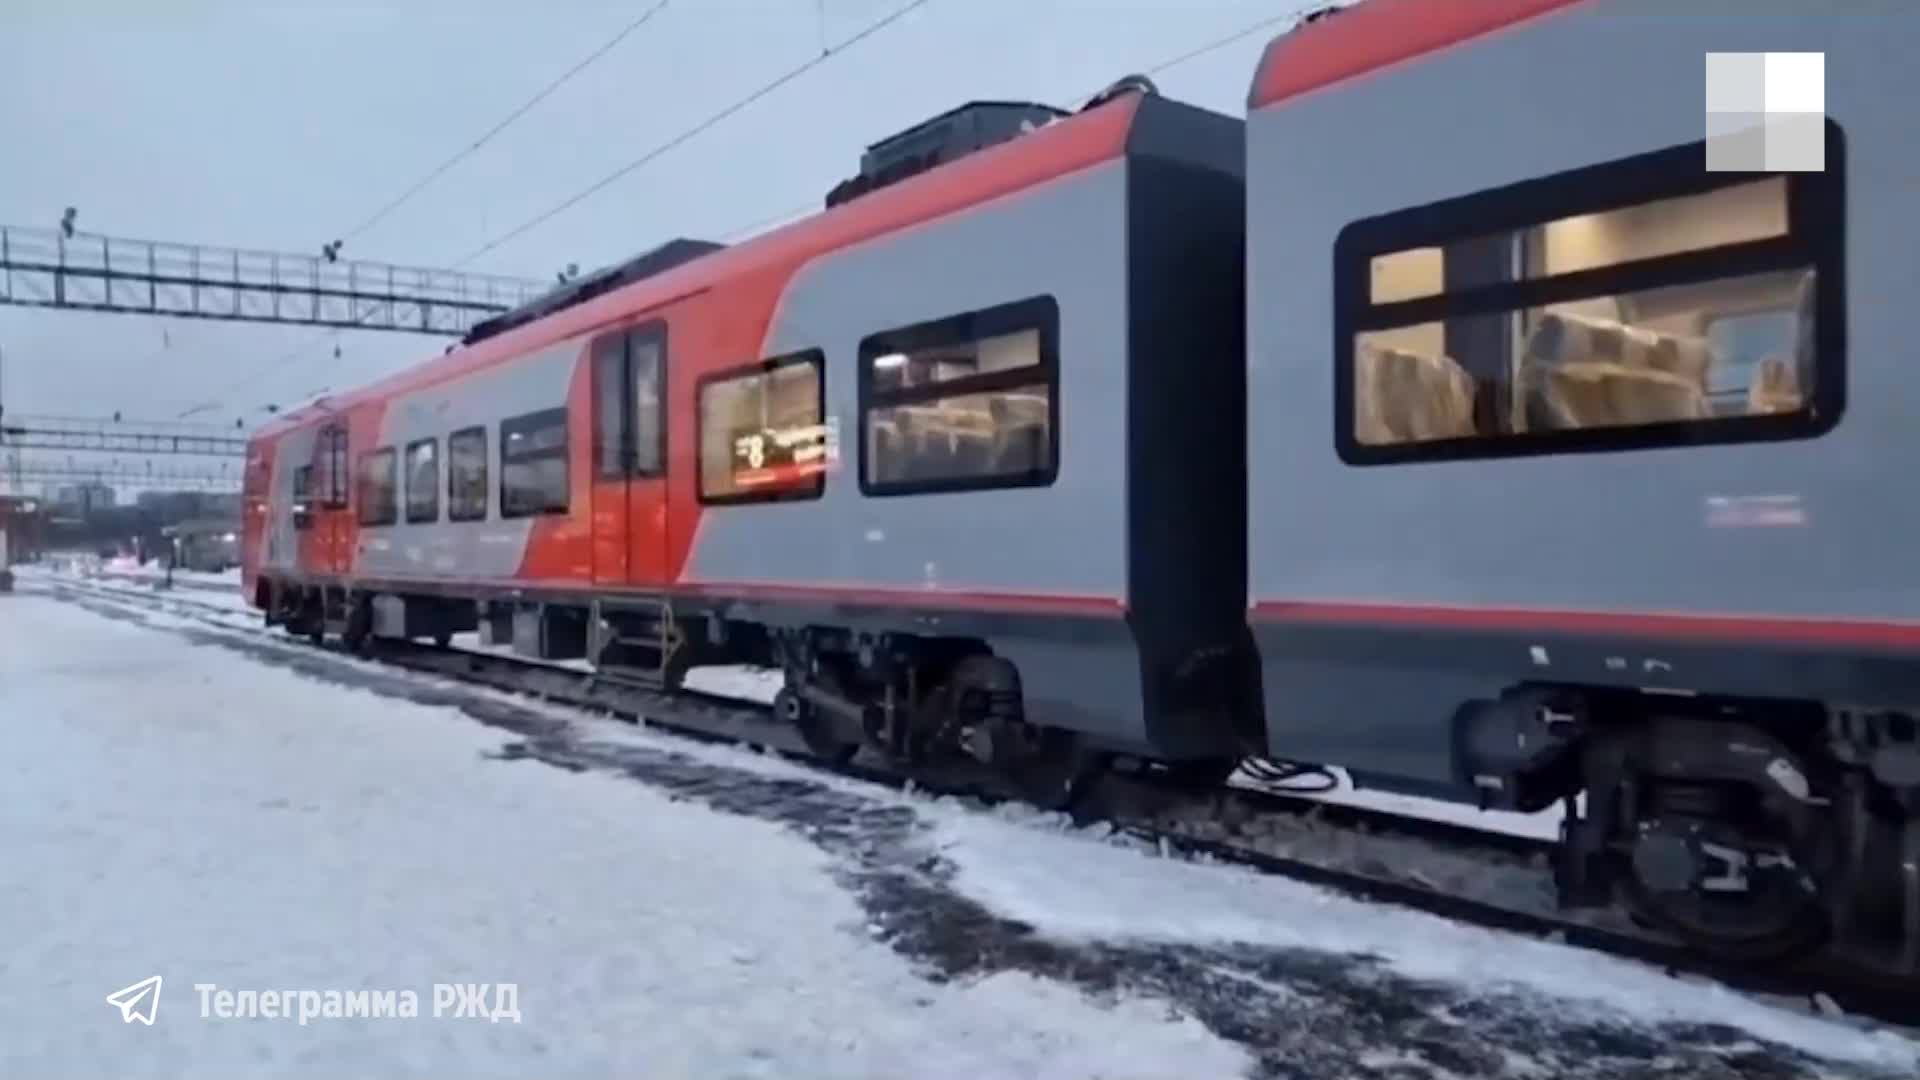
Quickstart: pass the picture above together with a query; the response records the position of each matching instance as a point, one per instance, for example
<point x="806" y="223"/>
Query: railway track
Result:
<point x="1493" y="880"/>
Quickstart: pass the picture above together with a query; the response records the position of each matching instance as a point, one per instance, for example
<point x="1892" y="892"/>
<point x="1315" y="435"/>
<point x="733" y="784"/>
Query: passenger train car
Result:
<point x="846" y="446"/>
<point x="1450" y="419"/>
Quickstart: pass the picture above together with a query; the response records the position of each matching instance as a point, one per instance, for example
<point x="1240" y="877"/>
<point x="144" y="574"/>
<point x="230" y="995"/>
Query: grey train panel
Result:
<point x="1064" y="240"/>
<point x="492" y="549"/>
<point x="1624" y="531"/>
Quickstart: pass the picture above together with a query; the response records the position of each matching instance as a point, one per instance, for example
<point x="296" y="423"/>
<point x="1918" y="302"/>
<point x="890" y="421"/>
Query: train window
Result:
<point x="629" y="417"/>
<point x="762" y="433"/>
<point x="467" y="475"/>
<point x="379" y="488"/>
<point x="303" y="497"/>
<point x="1639" y="303"/>
<point x="423" y="481"/>
<point x="533" y="464"/>
<point x="334" y="479"/>
<point x="962" y="403"/>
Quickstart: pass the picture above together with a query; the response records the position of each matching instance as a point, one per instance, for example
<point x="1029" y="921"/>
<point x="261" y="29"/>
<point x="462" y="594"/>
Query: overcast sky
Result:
<point x="280" y="125"/>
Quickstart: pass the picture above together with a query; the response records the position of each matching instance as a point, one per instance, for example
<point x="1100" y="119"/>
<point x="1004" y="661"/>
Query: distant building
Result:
<point x="175" y="506"/>
<point x="83" y="499"/>
<point x="23" y="521"/>
<point x="210" y="544"/>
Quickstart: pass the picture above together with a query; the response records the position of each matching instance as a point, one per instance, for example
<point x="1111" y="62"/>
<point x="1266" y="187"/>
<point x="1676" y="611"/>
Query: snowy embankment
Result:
<point x="197" y="812"/>
<point x="183" y="811"/>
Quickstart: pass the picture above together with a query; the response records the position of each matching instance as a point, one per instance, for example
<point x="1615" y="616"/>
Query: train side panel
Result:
<point x="1741" y="555"/>
<point x="1039" y="571"/>
<point x="493" y="548"/>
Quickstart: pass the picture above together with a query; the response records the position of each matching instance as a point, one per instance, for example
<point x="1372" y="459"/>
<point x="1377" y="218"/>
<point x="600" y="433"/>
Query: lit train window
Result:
<point x="467" y="475"/>
<point x="962" y="403"/>
<point x="423" y="481"/>
<point x="762" y="433"/>
<point x="379" y="489"/>
<point x="533" y="464"/>
<point x="1640" y="303"/>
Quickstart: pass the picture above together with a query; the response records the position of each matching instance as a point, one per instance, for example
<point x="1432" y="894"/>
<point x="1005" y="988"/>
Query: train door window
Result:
<point x="612" y="429"/>
<point x="1639" y="303"/>
<point x="762" y="434"/>
<point x="533" y="464"/>
<point x="629" y="414"/>
<point x="423" y="481"/>
<point x="962" y="403"/>
<point x="303" y="497"/>
<point x="646" y="358"/>
<point x="467" y="475"/>
<point x="334" y="481"/>
<point x="379" y="489"/>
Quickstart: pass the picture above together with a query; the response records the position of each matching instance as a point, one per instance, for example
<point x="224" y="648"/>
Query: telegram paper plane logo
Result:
<point x="137" y="1002"/>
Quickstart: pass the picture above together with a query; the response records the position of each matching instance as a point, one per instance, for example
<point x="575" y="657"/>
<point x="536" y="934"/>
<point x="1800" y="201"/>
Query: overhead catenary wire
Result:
<point x="687" y="135"/>
<point x="1214" y="45"/>
<point x="625" y="170"/>
<point x="741" y="232"/>
<point x="525" y="107"/>
<point x="407" y="194"/>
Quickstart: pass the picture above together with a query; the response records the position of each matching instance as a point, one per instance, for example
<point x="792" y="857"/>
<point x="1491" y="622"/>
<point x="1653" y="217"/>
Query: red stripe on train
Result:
<point x="1378" y="34"/>
<point x="1032" y="603"/>
<point x="1781" y="629"/>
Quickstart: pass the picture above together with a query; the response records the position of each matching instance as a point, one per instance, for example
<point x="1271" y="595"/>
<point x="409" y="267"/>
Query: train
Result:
<point x="1458" y="416"/>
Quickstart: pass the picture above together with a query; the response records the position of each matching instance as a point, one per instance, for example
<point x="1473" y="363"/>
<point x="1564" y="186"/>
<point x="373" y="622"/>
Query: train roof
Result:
<point x="1082" y="140"/>
<point x="1372" y="34"/>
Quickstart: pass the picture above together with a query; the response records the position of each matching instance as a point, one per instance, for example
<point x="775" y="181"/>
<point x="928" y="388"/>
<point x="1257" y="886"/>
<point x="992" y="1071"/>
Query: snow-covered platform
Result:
<point x="217" y="807"/>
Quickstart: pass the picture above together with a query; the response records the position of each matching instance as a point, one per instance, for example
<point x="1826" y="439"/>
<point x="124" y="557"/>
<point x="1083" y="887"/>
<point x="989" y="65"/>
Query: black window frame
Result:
<point x="406" y="469"/>
<point x="372" y="515"/>
<point x="537" y="420"/>
<point x="455" y="505"/>
<point x="818" y="359"/>
<point x="302" y="499"/>
<point x="1814" y="239"/>
<point x="628" y="464"/>
<point x="1040" y="313"/>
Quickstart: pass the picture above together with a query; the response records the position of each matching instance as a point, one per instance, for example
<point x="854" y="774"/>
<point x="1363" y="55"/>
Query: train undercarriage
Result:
<point x="1751" y="829"/>
<point x="926" y="704"/>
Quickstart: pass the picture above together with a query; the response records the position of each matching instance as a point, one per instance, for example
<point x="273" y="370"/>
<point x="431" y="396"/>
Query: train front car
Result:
<point x="1580" y="444"/>
<point x="961" y="453"/>
<point x="1015" y="558"/>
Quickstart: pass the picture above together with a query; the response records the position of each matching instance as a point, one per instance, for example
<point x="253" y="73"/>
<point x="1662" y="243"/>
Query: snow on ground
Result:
<point x="128" y="567"/>
<point x="183" y="811"/>
<point x="737" y="681"/>
<point x="1081" y="889"/>
<point x="1005" y="911"/>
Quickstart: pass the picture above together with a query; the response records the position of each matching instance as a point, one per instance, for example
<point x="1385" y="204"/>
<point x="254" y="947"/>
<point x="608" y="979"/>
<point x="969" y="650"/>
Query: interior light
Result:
<point x="890" y="360"/>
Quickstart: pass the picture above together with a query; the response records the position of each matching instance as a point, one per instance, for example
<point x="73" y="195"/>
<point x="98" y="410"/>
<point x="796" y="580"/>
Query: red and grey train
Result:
<point x="1463" y="416"/>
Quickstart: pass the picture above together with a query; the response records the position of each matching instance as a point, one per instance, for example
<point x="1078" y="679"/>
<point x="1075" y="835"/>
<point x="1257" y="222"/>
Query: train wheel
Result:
<point x="821" y="740"/>
<point x="1051" y="769"/>
<point x="1733" y="890"/>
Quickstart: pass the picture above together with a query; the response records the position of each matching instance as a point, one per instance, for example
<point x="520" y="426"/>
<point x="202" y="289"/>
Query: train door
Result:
<point x="630" y="456"/>
<point x="335" y="527"/>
